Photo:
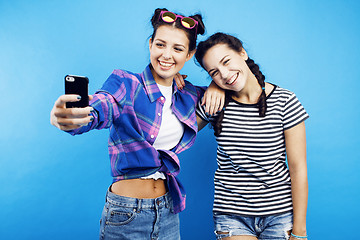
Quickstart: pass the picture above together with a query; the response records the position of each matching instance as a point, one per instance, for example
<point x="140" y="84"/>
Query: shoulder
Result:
<point x="120" y="82"/>
<point x="120" y="77"/>
<point x="288" y="100"/>
<point x="125" y="76"/>
<point x="189" y="87"/>
<point x="281" y="94"/>
<point x="283" y="91"/>
<point x="192" y="90"/>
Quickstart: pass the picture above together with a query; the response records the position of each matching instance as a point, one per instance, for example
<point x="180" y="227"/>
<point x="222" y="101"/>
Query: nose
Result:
<point x="166" y="53"/>
<point x="224" y="72"/>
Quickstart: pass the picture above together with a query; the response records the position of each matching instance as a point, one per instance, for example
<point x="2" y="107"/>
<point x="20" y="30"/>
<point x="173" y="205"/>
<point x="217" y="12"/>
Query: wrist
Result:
<point x="299" y="232"/>
<point x="302" y="237"/>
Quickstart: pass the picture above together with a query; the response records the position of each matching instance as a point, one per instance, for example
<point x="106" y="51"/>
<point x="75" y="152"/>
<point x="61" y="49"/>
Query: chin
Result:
<point x="166" y="75"/>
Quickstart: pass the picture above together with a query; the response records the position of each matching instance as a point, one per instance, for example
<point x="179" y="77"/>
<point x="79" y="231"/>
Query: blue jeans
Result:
<point x="132" y="218"/>
<point x="277" y="227"/>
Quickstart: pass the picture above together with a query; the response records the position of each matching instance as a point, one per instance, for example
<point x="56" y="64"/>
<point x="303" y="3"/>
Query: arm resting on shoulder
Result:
<point x="214" y="99"/>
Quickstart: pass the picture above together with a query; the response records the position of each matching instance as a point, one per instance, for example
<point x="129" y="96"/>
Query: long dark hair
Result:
<point x="236" y="45"/>
<point x="156" y="22"/>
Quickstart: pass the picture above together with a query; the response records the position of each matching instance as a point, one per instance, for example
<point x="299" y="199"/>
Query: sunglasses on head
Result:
<point x="170" y="17"/>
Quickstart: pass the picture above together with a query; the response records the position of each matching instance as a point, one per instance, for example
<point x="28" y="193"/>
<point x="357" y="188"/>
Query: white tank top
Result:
<point x="171" y="129"/>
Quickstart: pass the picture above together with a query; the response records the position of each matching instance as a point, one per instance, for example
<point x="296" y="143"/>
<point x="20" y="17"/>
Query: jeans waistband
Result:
<point x="139" y="203"/>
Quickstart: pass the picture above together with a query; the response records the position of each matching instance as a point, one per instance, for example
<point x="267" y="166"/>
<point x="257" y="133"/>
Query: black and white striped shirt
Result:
<point x="252" y="178"/>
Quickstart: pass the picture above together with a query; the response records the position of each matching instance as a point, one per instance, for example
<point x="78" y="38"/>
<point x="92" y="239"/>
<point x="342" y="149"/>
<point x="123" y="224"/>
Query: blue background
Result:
<point x="52" y="185"/>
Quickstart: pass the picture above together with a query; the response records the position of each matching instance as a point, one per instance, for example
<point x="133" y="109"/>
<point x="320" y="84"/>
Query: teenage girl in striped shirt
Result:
<point x="256" y="195"/>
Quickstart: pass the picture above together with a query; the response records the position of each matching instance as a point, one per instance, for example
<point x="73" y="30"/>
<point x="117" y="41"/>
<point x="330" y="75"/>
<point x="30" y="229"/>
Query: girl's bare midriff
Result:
<point x="139" y="188"/>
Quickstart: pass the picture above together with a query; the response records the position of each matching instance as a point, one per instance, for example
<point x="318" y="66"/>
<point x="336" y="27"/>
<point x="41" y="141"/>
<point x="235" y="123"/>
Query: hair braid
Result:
<point x="219" y="118"/>
<point x="261" y="80"/>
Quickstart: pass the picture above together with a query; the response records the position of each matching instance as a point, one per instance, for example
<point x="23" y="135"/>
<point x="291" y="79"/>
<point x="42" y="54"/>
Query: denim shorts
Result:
<point x="277" y="227"/>
<point x="132" y="218"/>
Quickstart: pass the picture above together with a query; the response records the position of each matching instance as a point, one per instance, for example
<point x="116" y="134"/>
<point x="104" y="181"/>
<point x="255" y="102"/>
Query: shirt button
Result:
<point x="152" y="136"/>
<point x="159" y="114"/>
<point x="162" y="98"/>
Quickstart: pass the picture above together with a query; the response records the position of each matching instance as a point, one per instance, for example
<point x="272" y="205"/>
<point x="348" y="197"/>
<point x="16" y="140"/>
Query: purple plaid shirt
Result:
<point x="130" y="105"/>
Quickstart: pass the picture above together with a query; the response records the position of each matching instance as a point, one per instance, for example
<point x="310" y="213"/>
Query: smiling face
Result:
<point x="227" y="67"/>
<point x="169" y="50"/>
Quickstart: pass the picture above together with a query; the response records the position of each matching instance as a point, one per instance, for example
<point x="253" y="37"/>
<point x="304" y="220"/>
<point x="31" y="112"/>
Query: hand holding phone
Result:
<point x="68" y="113"/>
<point x="77" y="85"/>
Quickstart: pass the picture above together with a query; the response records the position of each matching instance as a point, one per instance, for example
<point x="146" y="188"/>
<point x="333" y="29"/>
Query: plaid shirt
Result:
<point x="130" y="105"/>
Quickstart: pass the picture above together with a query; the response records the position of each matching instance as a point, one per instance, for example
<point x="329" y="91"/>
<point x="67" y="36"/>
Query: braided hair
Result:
<point x="236" y="45"/>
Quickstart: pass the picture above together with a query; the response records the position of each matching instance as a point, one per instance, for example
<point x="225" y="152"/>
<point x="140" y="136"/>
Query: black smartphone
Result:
<point x="77" y="85"/>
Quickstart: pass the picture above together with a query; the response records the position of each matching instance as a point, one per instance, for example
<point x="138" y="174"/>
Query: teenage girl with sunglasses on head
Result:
<point x="150" y="122"/>
<point x="256" y="195"/>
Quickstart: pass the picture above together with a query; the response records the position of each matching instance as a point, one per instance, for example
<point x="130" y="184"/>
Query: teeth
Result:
<point x="165" y="64"/>
<point x="232" y="80"/>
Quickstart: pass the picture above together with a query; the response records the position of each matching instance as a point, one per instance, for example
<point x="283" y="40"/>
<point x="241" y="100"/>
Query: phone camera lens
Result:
<point x="70" y="79"/>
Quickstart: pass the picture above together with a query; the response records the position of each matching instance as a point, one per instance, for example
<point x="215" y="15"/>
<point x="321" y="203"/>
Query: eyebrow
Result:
<point x="211" y="70"/>
<point x="223" y="58"/>
<point x="176" y="44"/>
<point x="180" y="45"/>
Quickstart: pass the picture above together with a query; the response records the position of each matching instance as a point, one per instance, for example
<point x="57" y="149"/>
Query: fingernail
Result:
<point x="79" y="97"/>
<point x="92" y="118"/>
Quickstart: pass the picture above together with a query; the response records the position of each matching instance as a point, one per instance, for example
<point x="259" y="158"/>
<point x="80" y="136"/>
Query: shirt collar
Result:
<point x="151" y="86"/>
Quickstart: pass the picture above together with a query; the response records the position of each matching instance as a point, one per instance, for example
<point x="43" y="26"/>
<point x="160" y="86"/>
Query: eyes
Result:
<point x="177" y="48"/>
<point x="214" y="72"/>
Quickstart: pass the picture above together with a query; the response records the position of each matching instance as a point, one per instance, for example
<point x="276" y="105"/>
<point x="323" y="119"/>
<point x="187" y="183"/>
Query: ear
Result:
<point x="190" y="55"/>
<point x="150" y="43"/>
<point x="244" y="55"/>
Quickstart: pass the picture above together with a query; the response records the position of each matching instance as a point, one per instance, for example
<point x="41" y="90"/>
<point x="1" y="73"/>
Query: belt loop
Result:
<point x="138" y="206"/>
<point x="167" y="204"/>
<point x="107" y="193"/>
